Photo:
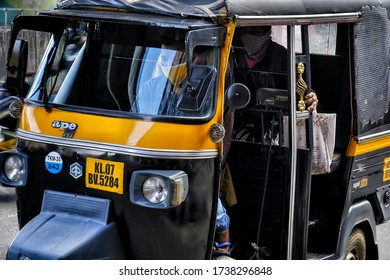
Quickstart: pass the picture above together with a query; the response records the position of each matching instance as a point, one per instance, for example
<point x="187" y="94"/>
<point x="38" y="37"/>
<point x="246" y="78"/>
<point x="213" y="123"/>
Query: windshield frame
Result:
<point x="181" y="119"/>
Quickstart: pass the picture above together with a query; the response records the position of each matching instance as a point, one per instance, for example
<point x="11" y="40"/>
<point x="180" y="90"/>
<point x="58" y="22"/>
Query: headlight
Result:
<point x="155" y="189"/>
<point x="158" y="188"/>
<point x="14" y="168"/>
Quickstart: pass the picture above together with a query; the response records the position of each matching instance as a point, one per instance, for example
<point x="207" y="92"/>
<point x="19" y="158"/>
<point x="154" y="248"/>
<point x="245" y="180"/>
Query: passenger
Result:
<point x="262" y="53"/>
<point x="265" y="66"/>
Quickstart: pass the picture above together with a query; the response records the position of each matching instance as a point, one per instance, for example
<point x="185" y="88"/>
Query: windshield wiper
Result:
<point x="47" y="68"/>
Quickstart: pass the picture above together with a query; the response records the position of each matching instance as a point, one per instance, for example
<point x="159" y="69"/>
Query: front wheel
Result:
<point x="356" y="246"/>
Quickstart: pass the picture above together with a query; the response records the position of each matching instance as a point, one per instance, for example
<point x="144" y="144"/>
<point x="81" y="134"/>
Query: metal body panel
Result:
<point x="192" y="220"/>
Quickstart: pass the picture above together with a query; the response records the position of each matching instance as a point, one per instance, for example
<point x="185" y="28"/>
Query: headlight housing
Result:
<point x="14" y="168"/>
<point x="158" y="188"/>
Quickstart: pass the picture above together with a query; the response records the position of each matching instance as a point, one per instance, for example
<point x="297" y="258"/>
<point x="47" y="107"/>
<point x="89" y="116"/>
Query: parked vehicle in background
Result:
<point x="8" y="122"/>
<point x="8" y="94"/>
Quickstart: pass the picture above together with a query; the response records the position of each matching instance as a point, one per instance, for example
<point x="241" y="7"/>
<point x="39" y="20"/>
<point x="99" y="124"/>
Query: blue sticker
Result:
<point x="53" y="162"/>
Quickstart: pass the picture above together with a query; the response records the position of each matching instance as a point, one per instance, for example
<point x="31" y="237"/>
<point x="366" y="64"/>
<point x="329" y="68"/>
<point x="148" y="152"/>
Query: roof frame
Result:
<point x="297" y="19"/>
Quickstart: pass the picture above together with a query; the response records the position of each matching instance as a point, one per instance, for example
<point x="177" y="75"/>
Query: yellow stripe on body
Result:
<point x="121" y="131"/>
<point x="356" y="149"/>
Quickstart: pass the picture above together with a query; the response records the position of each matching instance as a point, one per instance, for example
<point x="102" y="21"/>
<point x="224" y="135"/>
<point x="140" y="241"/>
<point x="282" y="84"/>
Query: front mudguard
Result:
<point x="359" y="213"/>
<point x="69" y="227"/>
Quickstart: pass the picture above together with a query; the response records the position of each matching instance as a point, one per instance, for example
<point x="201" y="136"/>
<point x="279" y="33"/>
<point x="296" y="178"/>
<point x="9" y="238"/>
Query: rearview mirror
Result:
<point x="17" y="65"/>
<point x="237" y="96"/>
<point x="202" y="80"/>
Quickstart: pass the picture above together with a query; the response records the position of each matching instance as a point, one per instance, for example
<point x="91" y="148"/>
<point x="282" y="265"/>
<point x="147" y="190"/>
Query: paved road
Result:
<point x="8" y="225"/>
<point x="383" y="234"/>
<point x="8" y="219"/>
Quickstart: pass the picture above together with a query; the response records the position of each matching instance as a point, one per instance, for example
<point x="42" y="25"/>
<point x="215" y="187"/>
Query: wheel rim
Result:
<point x="354" y="254"/>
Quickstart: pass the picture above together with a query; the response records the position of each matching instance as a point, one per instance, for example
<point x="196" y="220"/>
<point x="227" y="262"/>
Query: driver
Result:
<point x="158" y="96"/>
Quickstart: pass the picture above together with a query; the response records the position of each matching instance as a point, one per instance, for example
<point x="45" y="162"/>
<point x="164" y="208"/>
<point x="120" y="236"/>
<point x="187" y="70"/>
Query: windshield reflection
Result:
<point x="143" y="74"/>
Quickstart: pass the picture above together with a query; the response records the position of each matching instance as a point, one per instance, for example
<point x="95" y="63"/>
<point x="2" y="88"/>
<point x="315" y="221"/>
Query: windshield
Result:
<point x="121" y="68"/>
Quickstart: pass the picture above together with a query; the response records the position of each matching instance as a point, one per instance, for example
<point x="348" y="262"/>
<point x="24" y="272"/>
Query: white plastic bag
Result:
<point x="324" y="133"/>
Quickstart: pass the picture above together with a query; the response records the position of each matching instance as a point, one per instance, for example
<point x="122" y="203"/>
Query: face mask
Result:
<point x="172" y="65"/>
<point x="254" y="43"/>
<point x="176" y="74"/>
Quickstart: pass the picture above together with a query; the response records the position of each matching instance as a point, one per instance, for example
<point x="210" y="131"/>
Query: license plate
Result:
<point x="104" y="175"/>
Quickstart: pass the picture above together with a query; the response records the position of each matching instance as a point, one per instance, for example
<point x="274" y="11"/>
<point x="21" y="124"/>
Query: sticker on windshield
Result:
<point x="104" y="175"/>
<point x="53" y="162"/>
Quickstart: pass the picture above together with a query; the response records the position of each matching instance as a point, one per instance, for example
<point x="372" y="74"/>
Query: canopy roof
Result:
<point x="221" y="8"/>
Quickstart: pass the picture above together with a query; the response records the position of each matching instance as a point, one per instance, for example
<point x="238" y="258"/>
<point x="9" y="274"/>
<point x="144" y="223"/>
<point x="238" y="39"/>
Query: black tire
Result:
<point x="356" y="246"/>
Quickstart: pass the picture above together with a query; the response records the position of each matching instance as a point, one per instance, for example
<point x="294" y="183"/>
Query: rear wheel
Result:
<point x="356" y="246"/>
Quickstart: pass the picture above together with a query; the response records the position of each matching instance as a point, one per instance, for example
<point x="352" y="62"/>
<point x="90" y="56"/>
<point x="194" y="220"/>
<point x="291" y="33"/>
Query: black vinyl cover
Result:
<point x="184" y="8"/>
<point x="231" y="8"/>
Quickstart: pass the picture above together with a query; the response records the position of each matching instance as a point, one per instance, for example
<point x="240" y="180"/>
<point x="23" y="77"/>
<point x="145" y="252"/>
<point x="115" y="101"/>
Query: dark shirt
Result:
<point x="270" y="72"/>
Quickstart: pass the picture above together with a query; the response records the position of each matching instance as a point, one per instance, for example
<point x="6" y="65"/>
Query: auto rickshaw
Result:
<point x="97" y="177"/>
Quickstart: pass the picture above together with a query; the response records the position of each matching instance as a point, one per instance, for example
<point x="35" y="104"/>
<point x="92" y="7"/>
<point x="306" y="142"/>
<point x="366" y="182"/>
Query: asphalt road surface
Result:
<point x="8" y="219"/>
<point x="9" y="227"/>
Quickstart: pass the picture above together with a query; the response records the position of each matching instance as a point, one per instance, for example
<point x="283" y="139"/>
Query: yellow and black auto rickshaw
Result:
<point x="104" y="170"/>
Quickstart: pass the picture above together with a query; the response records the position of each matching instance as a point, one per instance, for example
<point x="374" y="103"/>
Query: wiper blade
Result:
<point x="42" y="86"/>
